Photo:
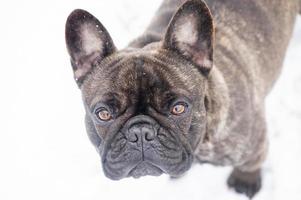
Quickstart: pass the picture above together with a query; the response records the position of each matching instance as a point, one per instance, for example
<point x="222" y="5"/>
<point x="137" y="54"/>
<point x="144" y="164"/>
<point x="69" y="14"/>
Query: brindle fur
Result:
<point x="248" y="56"/>
<point x="227" y="126"/>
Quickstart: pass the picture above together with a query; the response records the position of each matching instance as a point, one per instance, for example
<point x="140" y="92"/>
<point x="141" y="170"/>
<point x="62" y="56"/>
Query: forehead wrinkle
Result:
<point x="100" y="81"/>
<point x="107" y="78"/>
<point x="176" y="79"/>
<point x="183" y="70"/>
<point x="110" y="79"/>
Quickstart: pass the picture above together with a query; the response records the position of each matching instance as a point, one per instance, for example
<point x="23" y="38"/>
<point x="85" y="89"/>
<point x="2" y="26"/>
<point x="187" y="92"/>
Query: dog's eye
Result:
<point x="178" y="109"/>
<point x="103" y="114"/>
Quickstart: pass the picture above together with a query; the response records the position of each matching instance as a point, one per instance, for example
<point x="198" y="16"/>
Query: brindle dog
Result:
<point x="192" y="87"/>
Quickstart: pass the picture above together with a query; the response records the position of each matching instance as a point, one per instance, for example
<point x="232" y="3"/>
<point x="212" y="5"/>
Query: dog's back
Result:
<point x="254" y="34"/>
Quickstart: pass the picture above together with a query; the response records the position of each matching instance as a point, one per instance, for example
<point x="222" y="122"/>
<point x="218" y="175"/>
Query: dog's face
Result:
<point x="145" y="108"/>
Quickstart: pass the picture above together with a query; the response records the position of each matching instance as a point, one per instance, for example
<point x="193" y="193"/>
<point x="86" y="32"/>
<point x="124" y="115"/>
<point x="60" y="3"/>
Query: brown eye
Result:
<point x="103" y="114"/>
<point x="178" y="109"/>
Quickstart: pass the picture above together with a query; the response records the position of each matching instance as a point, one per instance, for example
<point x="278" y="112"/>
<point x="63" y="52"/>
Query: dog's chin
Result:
<point x="145" y="169"/>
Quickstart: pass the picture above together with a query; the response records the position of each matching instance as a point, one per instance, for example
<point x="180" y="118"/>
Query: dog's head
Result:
<point x="145" y="108"/>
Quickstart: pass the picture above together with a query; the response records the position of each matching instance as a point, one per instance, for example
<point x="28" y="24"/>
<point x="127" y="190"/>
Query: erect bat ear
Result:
<point x="190" y="33"/>
<point x="87" y="41"/>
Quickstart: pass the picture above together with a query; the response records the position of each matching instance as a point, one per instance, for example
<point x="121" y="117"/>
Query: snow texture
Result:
<point x="44" y="150"/>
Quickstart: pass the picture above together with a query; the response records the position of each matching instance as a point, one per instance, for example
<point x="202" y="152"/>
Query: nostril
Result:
<point x="149" y="134"/>
<point x="133" y="138"/>
<point x="133" y="134"/>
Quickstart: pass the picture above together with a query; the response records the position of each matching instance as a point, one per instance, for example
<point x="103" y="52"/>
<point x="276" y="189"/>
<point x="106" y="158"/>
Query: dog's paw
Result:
<point x="245" y="182"/>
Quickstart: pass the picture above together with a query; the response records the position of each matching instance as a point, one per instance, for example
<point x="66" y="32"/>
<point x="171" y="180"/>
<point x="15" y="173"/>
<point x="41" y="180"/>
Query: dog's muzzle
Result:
<point x="143" y="147"/>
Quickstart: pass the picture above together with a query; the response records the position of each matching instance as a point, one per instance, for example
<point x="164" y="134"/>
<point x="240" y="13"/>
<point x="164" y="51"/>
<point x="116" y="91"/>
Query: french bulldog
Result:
<point x="191" y="88"/>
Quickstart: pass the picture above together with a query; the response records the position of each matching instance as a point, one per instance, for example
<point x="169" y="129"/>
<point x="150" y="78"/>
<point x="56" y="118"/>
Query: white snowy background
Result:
<point x="44" y="151"/>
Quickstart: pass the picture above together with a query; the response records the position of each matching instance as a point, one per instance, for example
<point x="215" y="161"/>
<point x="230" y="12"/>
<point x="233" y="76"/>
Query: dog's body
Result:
<point x="227" y="123"/>
<point x="250" y="44"/>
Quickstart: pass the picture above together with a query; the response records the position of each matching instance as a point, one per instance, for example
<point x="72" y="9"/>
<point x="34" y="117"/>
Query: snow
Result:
<point x="44" y="150"/>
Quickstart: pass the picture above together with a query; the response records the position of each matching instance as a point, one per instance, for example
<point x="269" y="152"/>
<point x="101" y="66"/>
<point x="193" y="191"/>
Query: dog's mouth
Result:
<point x="145" y="168"/>
<point x="164" y="154"/>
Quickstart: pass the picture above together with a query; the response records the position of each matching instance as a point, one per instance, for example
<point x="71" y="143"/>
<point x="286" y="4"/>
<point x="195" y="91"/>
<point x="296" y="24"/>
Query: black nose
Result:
<point x="141" y="131"/>
<point x="141" y="128"/>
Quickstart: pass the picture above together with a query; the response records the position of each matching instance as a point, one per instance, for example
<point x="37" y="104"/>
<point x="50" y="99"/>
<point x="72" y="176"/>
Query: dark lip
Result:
<point x="159" y="170"/>
<point x="156" y="170"/>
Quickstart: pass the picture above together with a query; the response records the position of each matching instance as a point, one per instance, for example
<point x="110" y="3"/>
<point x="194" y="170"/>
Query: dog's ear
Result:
<point x="191" y="34"/>
<point x="87" y="41"/>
